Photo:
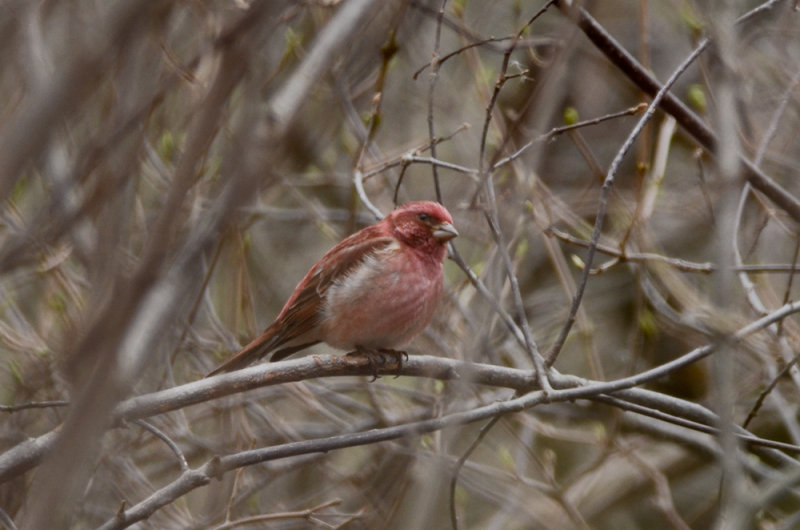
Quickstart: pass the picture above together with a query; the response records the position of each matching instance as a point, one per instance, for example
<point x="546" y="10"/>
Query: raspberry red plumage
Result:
<point x="376" y="289"/>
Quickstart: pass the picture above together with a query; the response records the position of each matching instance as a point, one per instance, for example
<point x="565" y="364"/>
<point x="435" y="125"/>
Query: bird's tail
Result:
<point x="255" y="350"/>
<point x="273" y="337"/>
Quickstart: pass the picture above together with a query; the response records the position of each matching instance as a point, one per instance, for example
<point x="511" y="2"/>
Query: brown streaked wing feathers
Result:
<point x="301" y="313"/>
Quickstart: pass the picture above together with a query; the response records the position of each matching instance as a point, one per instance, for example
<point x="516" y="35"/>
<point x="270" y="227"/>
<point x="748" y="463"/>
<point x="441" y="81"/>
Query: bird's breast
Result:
<point x="384" y="302"/>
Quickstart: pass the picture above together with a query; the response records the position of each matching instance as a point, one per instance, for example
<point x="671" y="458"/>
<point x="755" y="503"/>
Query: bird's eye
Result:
<point x="424" y="217"/>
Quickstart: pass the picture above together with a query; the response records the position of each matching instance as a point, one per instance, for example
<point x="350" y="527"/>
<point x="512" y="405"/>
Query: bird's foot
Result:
<point x="379" y="357"/>
<point x="397" y="356"/>
<point x="361" y="351"/>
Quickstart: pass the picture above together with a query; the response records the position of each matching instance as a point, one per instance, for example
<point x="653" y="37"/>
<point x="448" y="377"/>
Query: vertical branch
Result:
<point x="602" y="207"/>
<point x="434" y="76"/>
<point x="728" y="167"/>
<point x="486" y="175"/>
<point x="124" y="336"/>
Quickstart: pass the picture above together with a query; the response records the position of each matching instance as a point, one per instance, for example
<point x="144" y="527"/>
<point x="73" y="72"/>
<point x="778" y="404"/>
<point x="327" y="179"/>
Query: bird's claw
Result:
<point x="373" y="355"/>
<point x="397" y="356"/>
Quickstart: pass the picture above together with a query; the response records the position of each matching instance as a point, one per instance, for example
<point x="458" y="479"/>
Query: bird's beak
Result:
<point x="445" y="232"/>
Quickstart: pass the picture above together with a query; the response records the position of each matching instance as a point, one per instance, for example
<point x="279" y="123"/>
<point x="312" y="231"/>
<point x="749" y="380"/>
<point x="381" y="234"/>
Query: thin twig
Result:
<point x="493" y="218"/>
<point x="625" y="256"/>
<point x="158" y="433"/>
<point x="358" y="182"/>
<point x="692" y="123"/>
<point x="431" y="91"/>
<point x="555" y="131"/>
<point x="603" y="201"/>
<point x="34" y="405"/>
<point x="263" y="518"/>
<point x="7" y="520"/>
<point x="436" y="61"/>
<point x="460" y="463"/>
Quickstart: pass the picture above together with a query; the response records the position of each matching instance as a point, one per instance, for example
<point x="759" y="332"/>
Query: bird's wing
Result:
<point x="296" y="324"/>
<point x="302" y="311"/>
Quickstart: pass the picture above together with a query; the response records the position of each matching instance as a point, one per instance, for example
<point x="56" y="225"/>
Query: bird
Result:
<point x="373" y="292"/>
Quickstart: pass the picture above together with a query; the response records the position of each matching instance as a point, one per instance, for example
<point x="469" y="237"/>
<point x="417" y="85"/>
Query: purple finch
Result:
<point x="374" y="291"/>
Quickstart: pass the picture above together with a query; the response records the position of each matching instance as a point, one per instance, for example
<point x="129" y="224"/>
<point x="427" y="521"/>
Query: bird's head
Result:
<point x="425" y="225"/>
